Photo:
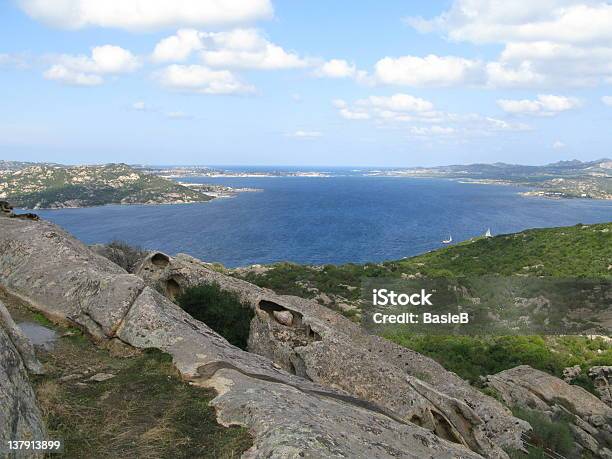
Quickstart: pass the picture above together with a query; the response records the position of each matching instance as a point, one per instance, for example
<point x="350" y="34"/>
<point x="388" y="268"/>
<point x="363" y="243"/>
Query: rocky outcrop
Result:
<point x="527" y="387"/>
<point x="20" y="341"/>
<point x="289" y="415"/>
<point x="20" y="417"/>
<point x="313" y="342"/>
<point x="602" y="379"/>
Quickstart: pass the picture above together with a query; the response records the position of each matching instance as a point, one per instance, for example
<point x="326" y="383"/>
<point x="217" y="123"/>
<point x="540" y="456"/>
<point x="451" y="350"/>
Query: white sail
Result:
<point x="488" y="233"/>
<point x="449" y="240"/>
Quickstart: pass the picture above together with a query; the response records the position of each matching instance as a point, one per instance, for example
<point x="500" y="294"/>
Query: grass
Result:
<point x="547" y="434"/>
<point x="145" y="410"/>
<point x="221" y="310"/>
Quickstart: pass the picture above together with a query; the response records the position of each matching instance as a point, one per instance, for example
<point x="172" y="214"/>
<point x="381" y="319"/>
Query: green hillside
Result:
<point x="53" y="186"/>
<point x="581" y="251"/>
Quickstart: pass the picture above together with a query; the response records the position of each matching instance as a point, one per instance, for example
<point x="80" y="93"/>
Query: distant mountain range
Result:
<point x="32" y="185"/>
<point x="592" y="179"/>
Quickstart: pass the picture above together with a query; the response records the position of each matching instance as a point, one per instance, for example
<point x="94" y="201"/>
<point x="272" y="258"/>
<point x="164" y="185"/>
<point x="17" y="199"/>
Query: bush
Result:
<point x="221" y="310"/>
<point x="547" y="434"/>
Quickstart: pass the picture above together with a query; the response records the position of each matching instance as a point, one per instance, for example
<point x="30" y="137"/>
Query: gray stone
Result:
<point x="602" y="379"/>
<point x="101" y="377"/>
<point x="20" y="341"/>
<point x="527" y="387"/>
<point x="20" y="416"/>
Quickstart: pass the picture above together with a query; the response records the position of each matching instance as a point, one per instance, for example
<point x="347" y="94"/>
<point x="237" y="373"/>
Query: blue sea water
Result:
<point x="326" y="220"/>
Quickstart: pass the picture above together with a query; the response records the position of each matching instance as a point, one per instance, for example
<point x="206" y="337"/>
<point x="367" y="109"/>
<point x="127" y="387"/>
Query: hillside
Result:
<point x="591" y="179"/>
<point x="54" y="186"/>
<point x="571" y="262"/>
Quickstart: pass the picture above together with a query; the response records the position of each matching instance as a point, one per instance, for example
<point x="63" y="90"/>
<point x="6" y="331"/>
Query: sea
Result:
<point x="326" y="220"/>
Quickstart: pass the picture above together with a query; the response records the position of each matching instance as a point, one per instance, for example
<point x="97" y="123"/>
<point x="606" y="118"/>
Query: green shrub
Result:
<point x="221" y="310"/>
<point x="547" y="434"/>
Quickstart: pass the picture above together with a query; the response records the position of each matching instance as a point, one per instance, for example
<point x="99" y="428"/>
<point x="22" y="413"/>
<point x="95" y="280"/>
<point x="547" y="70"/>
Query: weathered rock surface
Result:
<point x="289" y="415"/>
<point x="20" y="341"/>
<point x="527" y="387"/>
<point x="329" y="349"/>
<point x="602" y="379"/>
<point x="20" y="417"/>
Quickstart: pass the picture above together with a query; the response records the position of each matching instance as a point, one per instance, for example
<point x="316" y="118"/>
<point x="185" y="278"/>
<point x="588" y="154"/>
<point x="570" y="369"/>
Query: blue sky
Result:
<point x="295" y="82"/>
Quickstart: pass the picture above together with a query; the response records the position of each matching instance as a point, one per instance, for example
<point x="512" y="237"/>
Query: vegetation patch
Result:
<point x="143" y="410"/>
<point x="547" y="435"/>
<point x="221" y="310"/>
<point x="474" y="356"/>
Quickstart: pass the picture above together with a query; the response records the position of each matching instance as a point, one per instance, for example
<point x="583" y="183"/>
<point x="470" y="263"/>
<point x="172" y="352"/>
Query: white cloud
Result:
<point x="431" y="70"/>
<point x="557" y="145"/>
<point x="145" y="14"/>
<point x="88" y="70"/>
<point x="422" y="118"/>
<point x="501" y="75"/>
<point x="247" y="49"/>
<point x="178" y="47"/>
<point x="336" y="68"/>
<point x="305" y="135"/>
<point x="607" y="100"/>
<point x="71" y="77"/>
<point x="398" y="102"/>
<point x="200" y="79"/>
<point x="547" y="42"/>
<point x="493" y="21"/>
<point x="545" y="104"/>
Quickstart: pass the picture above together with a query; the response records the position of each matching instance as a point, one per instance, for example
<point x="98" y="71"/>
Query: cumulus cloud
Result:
<point x="545" y="104"/>
<point x="201" y="79"/>
<point x="145" y="14"/>
<point x="398" y="102"/>
<point x="247" y="49"/>
<point x="560" y="42"/>
<point x="421" y="116"/>
<point x="336" y="68"/>
<point x="607" y="100"/>
<point x="430" y="70"/>
<point x="178" y="47"/>
<point x="84" y="70"/>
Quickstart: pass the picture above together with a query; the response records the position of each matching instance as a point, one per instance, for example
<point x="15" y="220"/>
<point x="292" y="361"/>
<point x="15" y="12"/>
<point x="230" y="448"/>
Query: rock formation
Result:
<point x="288" y="414"/>
<point x="602" y="379"/>
<point x="527" y="387"/>
<point x="20" y="417"/>
<point x="313" y="342"/>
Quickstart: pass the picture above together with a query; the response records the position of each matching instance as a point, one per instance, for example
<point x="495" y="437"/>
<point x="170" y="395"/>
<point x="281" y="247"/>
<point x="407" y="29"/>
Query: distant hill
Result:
<point x="36" y="186"/>
<point x="592" y="179"/>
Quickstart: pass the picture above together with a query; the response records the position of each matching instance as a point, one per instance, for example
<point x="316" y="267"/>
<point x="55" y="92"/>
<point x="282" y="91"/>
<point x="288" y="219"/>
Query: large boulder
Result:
<point x="20" y="416"/>
<point x="311" y="341"/>
<point x="289" y="416"/>
<point x="526" y="387"/>
<point x="602" y="380"/>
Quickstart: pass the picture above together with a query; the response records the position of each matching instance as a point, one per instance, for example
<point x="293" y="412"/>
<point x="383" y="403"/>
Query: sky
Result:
<point x="305" y="83"/>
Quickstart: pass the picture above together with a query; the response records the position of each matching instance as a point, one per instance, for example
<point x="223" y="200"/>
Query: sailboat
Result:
<point x="488" y="233"/>
<point x="449" y="240"/>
